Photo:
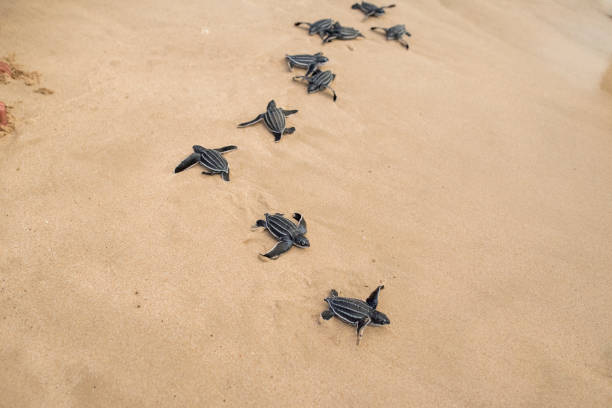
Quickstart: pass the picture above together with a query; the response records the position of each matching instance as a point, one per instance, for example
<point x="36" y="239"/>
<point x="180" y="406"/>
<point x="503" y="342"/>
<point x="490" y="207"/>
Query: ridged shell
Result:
<point x="320" y="26"/>
<point x="213" y="160"/>
<point x="396" y="31"/>
<point x="302" y="60"/>
<point x="349" y="310"/>
<point x="274" y="119"/>
<point x="280" y="226"/>
<point x="322" y="78"/>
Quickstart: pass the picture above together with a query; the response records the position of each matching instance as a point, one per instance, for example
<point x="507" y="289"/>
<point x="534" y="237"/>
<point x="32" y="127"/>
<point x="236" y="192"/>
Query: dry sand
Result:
<point x="472" y="175"/>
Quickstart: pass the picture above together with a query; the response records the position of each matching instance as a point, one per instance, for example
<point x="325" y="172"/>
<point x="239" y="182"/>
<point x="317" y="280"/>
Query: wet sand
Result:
<point x="472" y="175"/>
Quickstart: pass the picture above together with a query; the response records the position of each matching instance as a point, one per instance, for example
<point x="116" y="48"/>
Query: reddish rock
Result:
<point x="6" y="68"/>
<point x="3" y="115"/>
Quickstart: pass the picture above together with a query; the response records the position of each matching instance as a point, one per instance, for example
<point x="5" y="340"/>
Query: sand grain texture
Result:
<point x="472" y="175"/>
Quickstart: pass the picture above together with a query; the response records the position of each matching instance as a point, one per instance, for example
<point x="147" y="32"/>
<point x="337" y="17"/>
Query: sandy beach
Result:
<point x="471" y="175"/>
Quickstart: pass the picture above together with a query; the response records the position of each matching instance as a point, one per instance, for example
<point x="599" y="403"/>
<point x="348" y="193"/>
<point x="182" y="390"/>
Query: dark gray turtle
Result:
<point x="318" y="81"/>
<point x="274" y="118"/>
<point x="339" y="32"/>
<point x="396" y="32"/>
<point x="307" y="61"/>
<point x="356" y="311"/>
<point x="285" y="231"/>
<point x="209" y="158"/>
<point x="318" y="27"/>
<point x="370" y="9"/>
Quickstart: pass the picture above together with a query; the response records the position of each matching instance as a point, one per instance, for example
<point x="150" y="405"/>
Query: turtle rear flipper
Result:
<point x="327" y="314"/>
<point x="277" y="137"/>
<point x="260" y="223"/>
<point x="279" y="249"/>
<point x="333" y="293"/>
<point x="289" y="131"/>
<point x="361" y="325"/>
<point x="192" y="159"/>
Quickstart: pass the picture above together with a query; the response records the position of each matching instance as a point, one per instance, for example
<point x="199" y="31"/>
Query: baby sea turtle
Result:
<point x="318" y="81"/>
<point x="395" y="33"/>
<point x="307" y="61"/>
<point x="356" y="311"/>
<point x="370" y="9"/>
<point x="318" y="27"/>
<point x="274" y="118"/>
<point x="285" y="231"/>
<point x="209" y="158"/>
<point x="339" y="32"/>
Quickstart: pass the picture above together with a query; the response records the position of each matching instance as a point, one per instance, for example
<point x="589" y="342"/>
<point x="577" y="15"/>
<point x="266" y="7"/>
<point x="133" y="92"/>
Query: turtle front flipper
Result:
<point x="372" y="300"/>
<point x="327" y="314"/>
<point x="252" y="122"/>
<point x="334" y="92"/>
<point x="289" y="112"/>
<point x="192" y="159"/>
<point x="311" y="69"/>
<point x="379" y="28"/>
<point x="361" y="325"/>
<point x="301" y="22"/>
<point x="226" y="149"/>
<point x="301" y="222"/>
<point x="283" y="246"/>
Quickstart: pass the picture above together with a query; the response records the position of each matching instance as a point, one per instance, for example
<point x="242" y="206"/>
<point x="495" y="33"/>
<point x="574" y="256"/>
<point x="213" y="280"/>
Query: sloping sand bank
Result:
<point x="472" y="175"/>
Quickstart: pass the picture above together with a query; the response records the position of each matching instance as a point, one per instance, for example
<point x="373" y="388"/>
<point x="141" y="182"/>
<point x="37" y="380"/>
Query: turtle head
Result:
<point x="301" y="241"/>
<point x="322" y="59"/>
<point x="379" y="318"/>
